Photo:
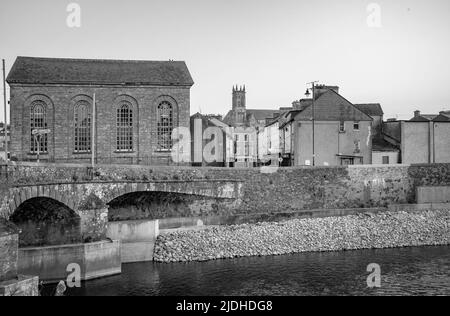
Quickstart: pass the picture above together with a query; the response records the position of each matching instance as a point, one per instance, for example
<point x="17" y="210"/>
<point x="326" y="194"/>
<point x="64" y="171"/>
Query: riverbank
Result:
<point x="362" y="231"/>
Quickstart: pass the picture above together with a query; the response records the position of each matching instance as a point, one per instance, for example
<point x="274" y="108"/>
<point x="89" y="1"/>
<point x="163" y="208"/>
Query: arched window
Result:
<point x="125" y="127"/>
<point x="82" y="125"/>
<point x="165" y="125"/>
<point x="38" y="121"/>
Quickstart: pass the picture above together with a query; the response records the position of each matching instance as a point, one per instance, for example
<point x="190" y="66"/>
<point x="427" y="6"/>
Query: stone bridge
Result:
<point x="90" y="200"/>
<point x="88" y="192"/>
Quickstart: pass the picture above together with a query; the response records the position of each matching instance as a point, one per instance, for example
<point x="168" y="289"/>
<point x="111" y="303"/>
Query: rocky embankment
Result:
<point x="364" y="231"/>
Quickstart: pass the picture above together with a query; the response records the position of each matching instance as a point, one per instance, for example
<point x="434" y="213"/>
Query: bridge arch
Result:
<point x="19" y="195"/>
<point x="44" y="221"/>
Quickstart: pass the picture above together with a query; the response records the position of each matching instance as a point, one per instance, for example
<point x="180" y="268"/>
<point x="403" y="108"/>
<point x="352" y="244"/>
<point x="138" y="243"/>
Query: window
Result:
<point x="341" y="126"/>
<point x="82" y="124"/>
<point x="385" y="160"/>
<point x="125" y="127"/>
<point x="347" y="161"/>
<point x="38" y="120"/>
<point x="356" y="126"/>
<point x="165" y="126"/>
<point x="357" y="146"/>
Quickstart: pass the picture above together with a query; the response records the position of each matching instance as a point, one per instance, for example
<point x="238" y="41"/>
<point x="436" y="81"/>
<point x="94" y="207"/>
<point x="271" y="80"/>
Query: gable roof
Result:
<point x="380" y="144"/>
<point x="424" y="118"/>
<point x="258" y="114"/>
<point x="218" y="123"/>
<point x="32" y="70"/>
<point x="442" y="118"/>
<point x="371" y="109"/>
<point x="331" y="106"/>
<point x="228" y="119"/>
<point x="261" y="114"/>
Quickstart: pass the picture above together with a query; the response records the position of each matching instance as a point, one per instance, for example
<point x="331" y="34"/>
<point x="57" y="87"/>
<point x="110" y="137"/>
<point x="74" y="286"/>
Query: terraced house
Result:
<point x="138" y="104"/>
<point x="331" y="132"/>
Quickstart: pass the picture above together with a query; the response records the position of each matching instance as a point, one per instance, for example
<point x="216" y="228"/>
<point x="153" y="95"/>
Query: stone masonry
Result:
<point x="142" y="85"/>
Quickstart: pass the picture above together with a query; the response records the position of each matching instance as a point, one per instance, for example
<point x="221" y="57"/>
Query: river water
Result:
<point x="404" y="271"/>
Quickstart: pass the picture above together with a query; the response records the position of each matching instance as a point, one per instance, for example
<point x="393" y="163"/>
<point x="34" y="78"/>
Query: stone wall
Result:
<point x="60" y="102"/>
<point x="8" y="256"/>
<point x="285" y="190"/>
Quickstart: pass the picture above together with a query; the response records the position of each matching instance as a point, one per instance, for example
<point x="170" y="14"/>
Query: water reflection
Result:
<point x="405" y="271"/>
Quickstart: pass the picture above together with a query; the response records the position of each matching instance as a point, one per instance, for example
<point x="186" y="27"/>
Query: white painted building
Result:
<point x="269" y="142"/>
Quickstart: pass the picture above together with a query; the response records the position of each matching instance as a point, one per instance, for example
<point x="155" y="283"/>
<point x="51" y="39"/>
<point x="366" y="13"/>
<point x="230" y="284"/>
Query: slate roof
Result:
<point x="371" y="109"/>
<point x="228" y="119"/>
<point x="380" y="144"/>
<point x="443" y="117"/>
<point x="32" y="70"/>
<point x="258" y="114"/>
<point x="424" y="118"/>
<point x="331" y="106"/>
<point x="261" y="115"/>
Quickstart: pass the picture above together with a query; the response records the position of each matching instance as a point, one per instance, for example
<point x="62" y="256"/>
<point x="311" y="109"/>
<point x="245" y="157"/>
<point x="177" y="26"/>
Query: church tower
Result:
<point x="239" y="105"/>
<point x="238" y="97"/>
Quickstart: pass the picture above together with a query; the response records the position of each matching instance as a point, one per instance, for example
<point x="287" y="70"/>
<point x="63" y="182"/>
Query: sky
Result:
<point x="274" y="47"/>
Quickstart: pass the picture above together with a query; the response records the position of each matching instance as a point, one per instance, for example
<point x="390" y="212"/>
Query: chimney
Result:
<point x="321" y="89"/>
<point x="215" y="116"/>
<point x="416" y="114"/>
<point x="296" y="105"/>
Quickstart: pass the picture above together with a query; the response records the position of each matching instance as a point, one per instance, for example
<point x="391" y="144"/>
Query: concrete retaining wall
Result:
<point x="137" y="239"/>
<point x="434" y="194"/>
<point x="96" y="260"/>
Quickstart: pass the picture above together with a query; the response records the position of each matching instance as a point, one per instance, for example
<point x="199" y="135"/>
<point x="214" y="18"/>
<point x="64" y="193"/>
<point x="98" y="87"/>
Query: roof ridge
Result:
<point x="101" y="60"/>
<point x="35" y="70"/>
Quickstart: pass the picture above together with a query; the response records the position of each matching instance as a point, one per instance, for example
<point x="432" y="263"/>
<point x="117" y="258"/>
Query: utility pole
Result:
<point x="313" y="122"/>
<point x="5" y="113"/>
<point x="37" y="138"/>
<point x="93" y="134"/>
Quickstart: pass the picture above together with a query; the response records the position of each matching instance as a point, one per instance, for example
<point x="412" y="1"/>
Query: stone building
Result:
<point x="245" y="124"/>
<point x="138" y="104"/>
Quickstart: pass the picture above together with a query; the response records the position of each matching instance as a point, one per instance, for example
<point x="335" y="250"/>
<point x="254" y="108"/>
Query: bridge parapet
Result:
<point x="74" y="194"/>
<point x="33" y="173"/>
